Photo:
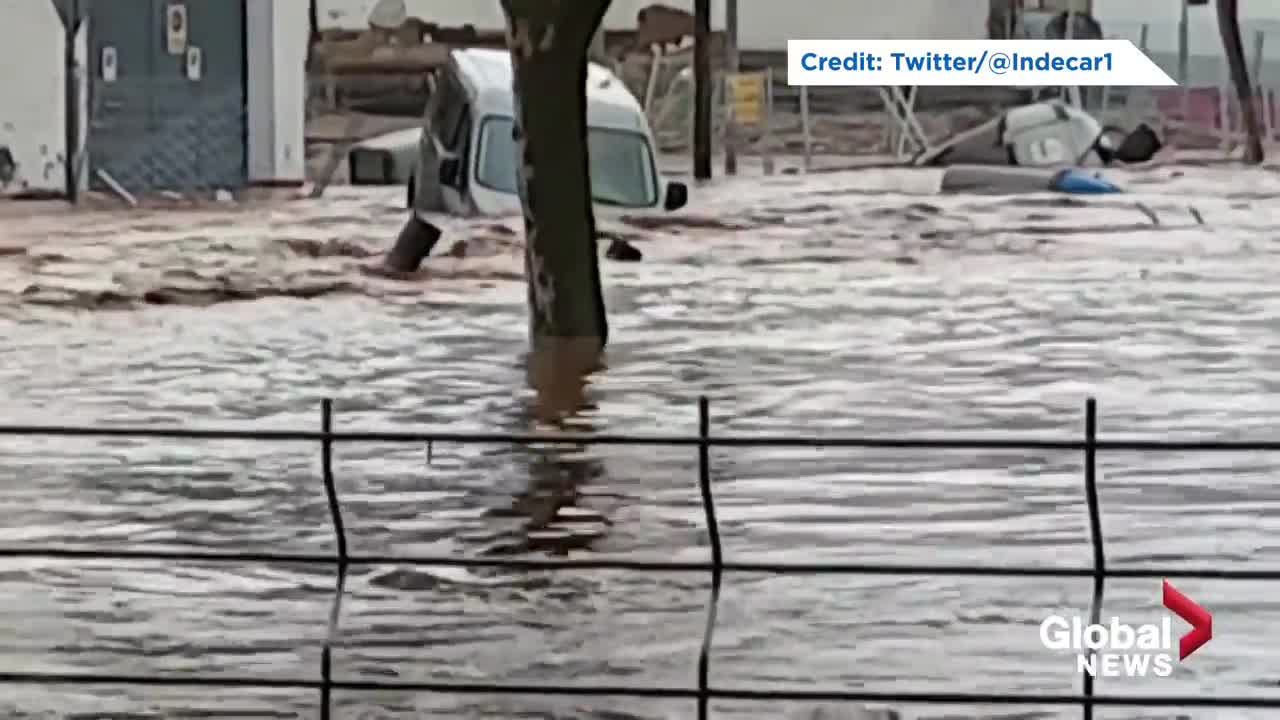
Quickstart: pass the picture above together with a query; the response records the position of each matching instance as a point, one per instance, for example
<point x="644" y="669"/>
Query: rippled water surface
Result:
<point x="840" y="303"/>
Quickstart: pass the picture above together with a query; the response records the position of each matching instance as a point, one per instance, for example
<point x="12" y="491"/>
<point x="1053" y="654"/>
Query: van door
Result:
<point x="424" y="185"/>
<point x="456" y="188"/>
<point x="443" y="113"/>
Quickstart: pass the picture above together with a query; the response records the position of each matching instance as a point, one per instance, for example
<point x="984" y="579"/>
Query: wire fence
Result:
<point x="164" y="136"/>
<point x="342" y="559"/>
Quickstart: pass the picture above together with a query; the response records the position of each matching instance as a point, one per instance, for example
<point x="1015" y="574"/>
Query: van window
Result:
<point x="622" y="165"/>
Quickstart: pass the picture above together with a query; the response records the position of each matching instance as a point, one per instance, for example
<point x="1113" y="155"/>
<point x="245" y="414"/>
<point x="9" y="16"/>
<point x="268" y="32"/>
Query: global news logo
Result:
<point x="1122" y="650"/>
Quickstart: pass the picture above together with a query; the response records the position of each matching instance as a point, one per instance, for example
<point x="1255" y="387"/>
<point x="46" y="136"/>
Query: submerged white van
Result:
<point x="466" y="160"/>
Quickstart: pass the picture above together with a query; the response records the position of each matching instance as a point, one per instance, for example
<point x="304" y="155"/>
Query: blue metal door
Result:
<point x="167" y="102"/>
<point x="119" y="97"/>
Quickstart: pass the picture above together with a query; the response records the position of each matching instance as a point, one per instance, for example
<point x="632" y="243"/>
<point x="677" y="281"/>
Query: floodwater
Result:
<point x="836" y="303"/>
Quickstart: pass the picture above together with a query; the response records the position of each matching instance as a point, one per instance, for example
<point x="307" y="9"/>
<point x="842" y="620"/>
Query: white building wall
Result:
<point x="768" y="24"/>
<point x="276" y="49"/>
<point x="762" y="24"/>
<point x="32" y="87"/>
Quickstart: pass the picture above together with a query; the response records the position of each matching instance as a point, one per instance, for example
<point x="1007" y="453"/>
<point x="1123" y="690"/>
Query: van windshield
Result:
<point x="622" y="168"/>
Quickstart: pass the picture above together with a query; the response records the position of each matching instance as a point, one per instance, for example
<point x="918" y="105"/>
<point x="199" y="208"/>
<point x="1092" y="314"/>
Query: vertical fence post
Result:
<point x="341" y="558"/>
<point x="71" y="98"/>
<point x="1184" y="37"/>
<point x="1095" y="531"/>
<point x="1256" y="91"/>
<point x="1072" y="91"/>
<point x="731" y="67"/>
<point x="768" y="121"/>
<point x="717" y="554"/>
<point x="1225" y="99"/>
<point x="1184" y="62"/>
<point x="804" y="127"/>
<point x="1130" y="111"/>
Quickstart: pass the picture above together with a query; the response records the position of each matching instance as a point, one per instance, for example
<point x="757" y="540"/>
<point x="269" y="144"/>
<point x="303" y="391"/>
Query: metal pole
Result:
<point x="71" y="98"/>
<point x="1183" y="41"/>
<point x="768" y="121"/>
<point x="1224" y="108"/>
<point x="313" y="36"/>
<point x="1183" y="59"/>
<point x="1259" y="38"/>
<point x="731" y="67"/>
<point x="1073" y="91"/>
<point x="804" y="124"/>
<point x="702" y="90"/>
<point x="1264" y="96"/>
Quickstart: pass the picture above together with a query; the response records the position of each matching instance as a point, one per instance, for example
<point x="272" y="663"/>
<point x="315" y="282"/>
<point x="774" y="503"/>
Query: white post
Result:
<point x="804" y="126"/>
<point x="651" y="87"/>
<point x="908" y="114"/>
<point x="902" y="111"/>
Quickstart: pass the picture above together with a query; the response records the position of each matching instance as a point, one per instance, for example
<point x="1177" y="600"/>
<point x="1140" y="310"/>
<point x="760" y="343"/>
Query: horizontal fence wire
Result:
<point x="342" y="560"/>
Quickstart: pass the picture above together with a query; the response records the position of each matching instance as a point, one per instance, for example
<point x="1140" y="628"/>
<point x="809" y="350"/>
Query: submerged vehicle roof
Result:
<point x="487" y="75"/>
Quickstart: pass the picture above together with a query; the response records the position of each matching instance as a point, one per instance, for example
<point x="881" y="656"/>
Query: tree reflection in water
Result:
<point x="559" y="372"/>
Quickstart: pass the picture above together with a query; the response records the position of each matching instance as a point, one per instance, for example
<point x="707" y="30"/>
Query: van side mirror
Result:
<point x="677" y="196"/>
<point x="450" y="166"/>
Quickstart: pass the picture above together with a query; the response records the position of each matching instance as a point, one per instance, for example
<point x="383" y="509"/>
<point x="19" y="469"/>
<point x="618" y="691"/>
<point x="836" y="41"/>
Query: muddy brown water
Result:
<point x="840" y="303"/>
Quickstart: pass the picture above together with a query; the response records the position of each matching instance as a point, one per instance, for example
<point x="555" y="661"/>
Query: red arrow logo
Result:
<point x="1199" y="618"/>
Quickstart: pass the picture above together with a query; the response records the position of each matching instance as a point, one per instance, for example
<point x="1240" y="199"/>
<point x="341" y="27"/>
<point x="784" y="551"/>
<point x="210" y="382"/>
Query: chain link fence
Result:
<point x="1203" y="112"/>
<point x="150" y="136"/>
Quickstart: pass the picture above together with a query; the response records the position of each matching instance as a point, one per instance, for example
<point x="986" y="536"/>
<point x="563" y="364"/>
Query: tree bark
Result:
<point x="1229" y="27"/>
<point x="549" y="41"/>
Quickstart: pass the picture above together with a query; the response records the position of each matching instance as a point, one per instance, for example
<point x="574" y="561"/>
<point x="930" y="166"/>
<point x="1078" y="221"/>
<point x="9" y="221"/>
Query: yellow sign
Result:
<point x="747" y="97"/>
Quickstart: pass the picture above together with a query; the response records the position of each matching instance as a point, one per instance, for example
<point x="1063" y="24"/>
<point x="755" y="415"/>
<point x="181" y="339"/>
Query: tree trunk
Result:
<point x="549" y="40"/>
<point x="568" y="329"/>
<point x="1229" y="27"/>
